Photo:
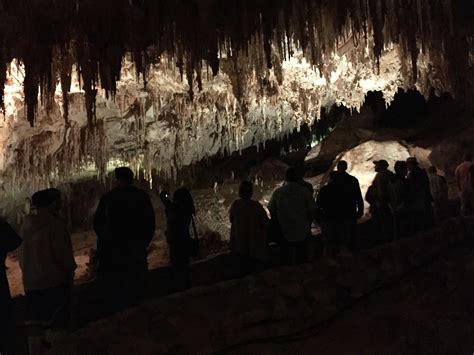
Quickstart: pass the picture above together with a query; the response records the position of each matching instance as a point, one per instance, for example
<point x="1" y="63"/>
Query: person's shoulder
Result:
<point x="353" y="178"/>
<point x="324" y="189"/>
<point x="255" y="204"/>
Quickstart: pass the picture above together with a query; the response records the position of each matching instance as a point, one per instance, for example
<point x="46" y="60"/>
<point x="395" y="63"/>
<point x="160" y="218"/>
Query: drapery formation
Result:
<point x="51" y="37"/>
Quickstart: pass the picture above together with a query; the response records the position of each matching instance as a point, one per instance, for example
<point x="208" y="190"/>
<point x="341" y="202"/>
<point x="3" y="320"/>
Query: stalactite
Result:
<point x="242" y="29"/>
<point x="247" y="45"/>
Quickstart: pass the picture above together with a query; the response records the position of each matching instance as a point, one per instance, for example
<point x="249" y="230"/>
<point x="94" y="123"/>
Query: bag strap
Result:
<point x="194" y="227"/>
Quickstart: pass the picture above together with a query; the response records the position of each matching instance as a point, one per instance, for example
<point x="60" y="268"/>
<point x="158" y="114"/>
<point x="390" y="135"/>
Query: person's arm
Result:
<point x="311" y="206"/>
<point x="272" y="205"/>
<point x="149" y="218"/>
<point x="263" y="217"/>
<point x="99" y="218"/>
<point x="359" y="199"/>
<point x="457" y="176"/>
<point x="61" y="246"/>
<point x="231" y="213"/>
<point x="10" y="240"/>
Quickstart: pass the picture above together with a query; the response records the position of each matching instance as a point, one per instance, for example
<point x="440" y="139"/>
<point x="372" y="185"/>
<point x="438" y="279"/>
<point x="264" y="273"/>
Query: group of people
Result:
<point x="124" y="223"/>
<point x="401" y="203"/>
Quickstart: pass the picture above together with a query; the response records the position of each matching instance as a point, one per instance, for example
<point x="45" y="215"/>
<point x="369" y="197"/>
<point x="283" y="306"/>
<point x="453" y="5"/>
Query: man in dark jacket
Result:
<point x="419" y="199"/>
<point x="336" y="210"/>
<point x="125" y="225"/>
<point x="9" y="241"/>
<point x="353" y="186"/>
<point x="378" y="196"/>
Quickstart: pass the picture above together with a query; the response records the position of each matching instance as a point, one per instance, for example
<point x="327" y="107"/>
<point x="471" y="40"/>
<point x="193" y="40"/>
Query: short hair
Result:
<point x="246" y="190"/>
<point x="184" y="200"/>
<point x="124" y="175"/>
<point x="432" y="170"/>
<point x="468" y="157"/>
<point x="292" y="174"/>
<point x="412" y="160"/>
<point x="342" y="165"/>
<point x="400" y="166"/>
<point x="301" y="171"/>
<point x="45" y="198"/>
<point x="382" y="163"/>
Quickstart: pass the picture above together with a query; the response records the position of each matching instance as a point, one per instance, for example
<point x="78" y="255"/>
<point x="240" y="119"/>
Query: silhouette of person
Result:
<point x="248" y="231"/>
<point x="353" y="187"/>
<point x="293" y="208"/>
<point x="47" y="261"/>
<point x="399" y="193"/>
<point x="419" y="196"/>
<point x="9" y="241"/>
<point x="464" y="184"/>
<point x="337" y="212"/>
<point x="378" y="196"/>
<point x="124" y="223"/>
<point x="179" y="214"/>
<point x="439" y="192"/>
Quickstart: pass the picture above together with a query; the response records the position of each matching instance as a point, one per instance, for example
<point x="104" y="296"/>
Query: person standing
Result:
<point x="293" y="208"/>
<point x="357" y="202"/>
<point x="419" y="197"/>
<point x="399" y="191"/>
<point x="179" y="215"/>
<point x="439" y="192"/>
<point x="124" y="223"/>
<point x="336" y="207"/>
<point x="248" y="231"/>
<point x="378" y="196"/>
<point x="9" y="241"/>
<point x="463" y="182"/>
<point x="47" y="261"/>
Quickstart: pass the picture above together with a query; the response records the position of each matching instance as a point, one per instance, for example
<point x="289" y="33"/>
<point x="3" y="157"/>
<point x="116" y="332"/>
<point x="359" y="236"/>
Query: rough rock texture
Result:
<point x="288" y="302"/>
<point x="361" y="159"/>
<point x="158" y="129"/>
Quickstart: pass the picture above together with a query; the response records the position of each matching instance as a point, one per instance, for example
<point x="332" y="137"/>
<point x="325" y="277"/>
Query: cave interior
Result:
<point x="208" y="93"/>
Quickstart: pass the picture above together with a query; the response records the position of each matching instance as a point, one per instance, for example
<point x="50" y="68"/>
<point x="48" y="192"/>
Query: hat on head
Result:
<point x="382" y="163"/>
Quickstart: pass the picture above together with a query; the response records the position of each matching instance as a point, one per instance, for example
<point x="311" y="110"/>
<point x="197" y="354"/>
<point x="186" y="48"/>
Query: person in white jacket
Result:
<point x="47" y="261"/>
<point x="293" y="208"/>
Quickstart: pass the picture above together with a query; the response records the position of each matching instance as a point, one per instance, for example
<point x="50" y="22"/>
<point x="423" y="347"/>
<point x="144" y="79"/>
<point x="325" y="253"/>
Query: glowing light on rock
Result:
<point x="158" y="128"/>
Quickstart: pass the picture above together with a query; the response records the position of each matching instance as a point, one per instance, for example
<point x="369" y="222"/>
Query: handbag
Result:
<point x="194" y="242"/>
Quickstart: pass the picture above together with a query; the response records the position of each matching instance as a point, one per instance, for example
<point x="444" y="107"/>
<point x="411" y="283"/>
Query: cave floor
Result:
<point x="429" y="311"/>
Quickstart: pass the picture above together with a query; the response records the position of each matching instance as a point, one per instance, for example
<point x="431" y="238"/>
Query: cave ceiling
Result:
<point x="160" y="84"/>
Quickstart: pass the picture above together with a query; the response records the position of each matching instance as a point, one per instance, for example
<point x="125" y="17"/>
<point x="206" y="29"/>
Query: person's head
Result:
<point x="412" y="163"/>
<point x="301" y="171"/>
<point x="381" y="165"/>
<point x="124" y="175"/>
<point x="246" y="190"/>
<point x="47" y="199"/>
<point x="292" y="175"/>
<point x="468" y="157"/>
<point x="432" y="170"/>
<point x="183" y="198"/>
<point x="342" y="166"/>
<point x="400" y="168"/>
